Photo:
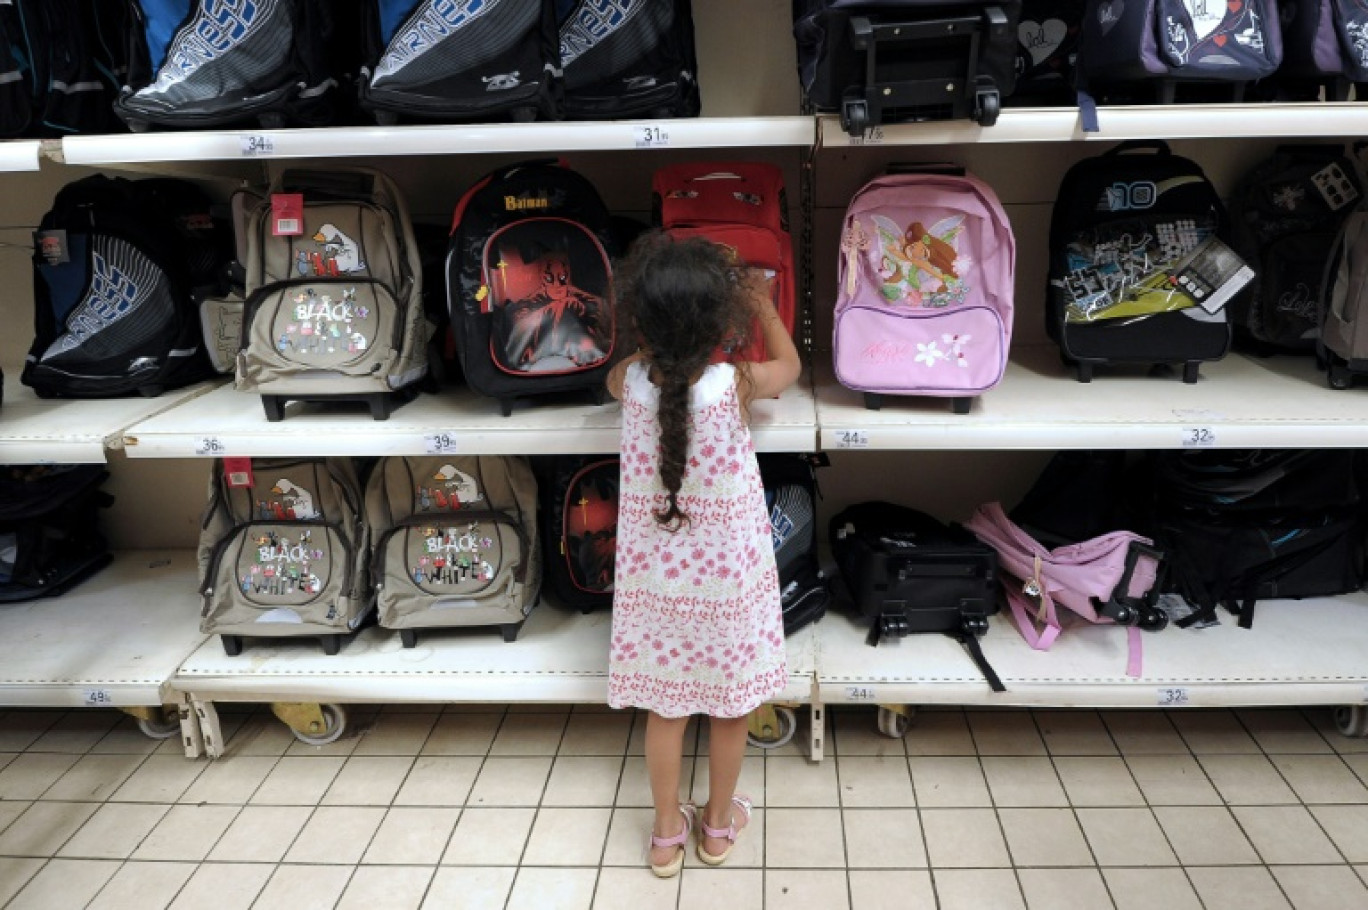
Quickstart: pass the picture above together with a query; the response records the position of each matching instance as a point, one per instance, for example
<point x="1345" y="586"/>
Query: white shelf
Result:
<point x="1298" y="653"/>
<point x="560" y="656"/>
<point x="383" y="141"/>
<point x="568" y="425"/>
<point x="1281" y="402"/>
<point x="74" y="431"/>
<point x="114" y="640"/>
<point x="1172" y="121"/>
<point x="20" y="155"/>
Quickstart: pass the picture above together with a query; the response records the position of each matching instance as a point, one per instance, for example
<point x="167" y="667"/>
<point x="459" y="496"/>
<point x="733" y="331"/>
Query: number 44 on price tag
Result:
<point x="852" y="439"/>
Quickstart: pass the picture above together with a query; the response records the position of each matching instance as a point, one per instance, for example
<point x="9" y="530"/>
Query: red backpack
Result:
<point x="742" y="206"/>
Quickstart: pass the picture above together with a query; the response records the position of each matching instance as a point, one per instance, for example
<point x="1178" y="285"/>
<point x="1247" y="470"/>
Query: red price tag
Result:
<point x="287" y="214"/>
<point x="238" y="472"/>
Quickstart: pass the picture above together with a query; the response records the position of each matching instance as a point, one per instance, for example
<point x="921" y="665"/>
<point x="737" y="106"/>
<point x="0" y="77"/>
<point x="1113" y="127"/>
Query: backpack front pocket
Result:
<point x="589" y="516"/>
<point x="344" y="326"/>
<point x="292" y="572"/>
<point x="918" y="351"/>
<point x="449" y="561"/>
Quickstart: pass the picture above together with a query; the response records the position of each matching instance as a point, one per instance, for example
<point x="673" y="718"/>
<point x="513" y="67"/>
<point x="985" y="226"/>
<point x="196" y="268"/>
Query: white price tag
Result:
<point x="1198" y="437"/>
<point x="860" y="693"/>
<point x="210" y="445"/>
<point x="872" y="136"/>
<point x="440" y="443"/>
<point x="651" y="136"/>
<point x="852" y="439"/>
<point x="1174" y="697"/>
<point x="98" y="698"/>
<point x="256" y="145"/>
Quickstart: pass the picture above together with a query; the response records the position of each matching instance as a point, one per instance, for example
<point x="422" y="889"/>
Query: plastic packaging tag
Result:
<point x="238" y="472"/>
<point x="287" y="214"/>
<point x="52" y="246"/>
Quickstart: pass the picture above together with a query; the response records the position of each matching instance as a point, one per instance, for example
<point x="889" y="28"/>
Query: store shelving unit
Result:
<point x="20" y="155"/>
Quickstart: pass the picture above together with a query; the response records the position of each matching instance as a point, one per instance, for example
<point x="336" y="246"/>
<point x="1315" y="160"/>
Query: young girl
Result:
<point x="697" y="626"/>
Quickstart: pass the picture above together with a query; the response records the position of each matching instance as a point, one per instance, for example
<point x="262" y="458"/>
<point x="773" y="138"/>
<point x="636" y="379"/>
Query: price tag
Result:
<point x="1175" y="697"/>
<point x="440" y="444"/>
<point x="652" y="136"/>
<point x="1198" y="437"/>
<point x="98" y="698"/>
<point x="258" y="146"/>
<point x="872" y="136"/>
<point x="852" y="439"/>
<point x="210" y="445"/>
<point x="859" y="693"/>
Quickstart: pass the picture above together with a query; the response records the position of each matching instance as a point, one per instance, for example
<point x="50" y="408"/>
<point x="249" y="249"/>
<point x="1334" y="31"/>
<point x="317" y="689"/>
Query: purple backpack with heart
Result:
<point x="1326" y="40"/>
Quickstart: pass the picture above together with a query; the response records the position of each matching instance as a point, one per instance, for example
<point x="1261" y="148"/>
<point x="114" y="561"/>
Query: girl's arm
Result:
<point x="770" y="378"/>
<point x="618" y="374"/>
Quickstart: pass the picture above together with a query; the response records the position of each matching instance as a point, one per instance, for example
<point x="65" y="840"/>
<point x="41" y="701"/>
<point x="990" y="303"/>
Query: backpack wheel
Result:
<point x="854" y="116"/>
<point x="408" y="638"/>
<point x="386" y="118"/>
<point x="150" y="391"/>
<point x="138" y="126"/>
<point x="232" y="644"/>
<point x="272" y="120"/>
<point x="380" y="405"/>
<point x="506" y="407"/>
<point x="1167" y="90"/>
<point x="961" y="405"/>
<point x="1152" y="619"/>
<point x="510" y="631"/>
<point x="1191" y="371"/>
<point x="274" y="406"/>
<point x="599" y="395"/>
<point x="331" y="644"/>
<point x="893" y="723"/>
<point x="873" y="401"/>
<point x="1085" y="371"/>
<point x="1338" y="377"/>
<point x="523" y="114"/>
<point x="988" y="107"/>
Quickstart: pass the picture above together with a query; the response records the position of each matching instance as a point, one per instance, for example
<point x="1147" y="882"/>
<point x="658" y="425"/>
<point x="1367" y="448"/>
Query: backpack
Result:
<point x="579" y="515"/>
<point x="208" y="63"/>
<point x="924" y="303"/>
<point x="438" y="60"/>
<point x="1343" y="345"/>
<point x="743" y="207"/>
<point x="628" y="59"/>
<point x="335" y="303"/>
<point x="114" y="269"/>
<point x="455" y="542"/>
<point x="1325" y="42"/>
<point x="283" y="551"/>
<point x="1047" y="48"/>
<point x="1285" y="217"/>
<point x="529" y="273"/>
<point x="791" y="498"/>
<point x="49" y="528"/>
<point x="1113" y="298"/>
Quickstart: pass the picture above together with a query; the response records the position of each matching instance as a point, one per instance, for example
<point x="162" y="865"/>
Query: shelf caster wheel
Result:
<point x="232" y="644"/>
<point x="331" y="644"/>
<point x="274" y="406"/>
<point x="895" y="722"/>
<point x="386" y="118"/>
<point x="961" y="405"/>
<point x="989" y="106"/>
<point x="313" y="725"/>
<point x="873" y="401"/>
<point x="1352" y="721"/>
<point x="1191" y="371"/>
<point x="408" y="638"/>
<point x="155" y="723"/>
<point x="855" y="117"/>
<point x="771" y="726"/>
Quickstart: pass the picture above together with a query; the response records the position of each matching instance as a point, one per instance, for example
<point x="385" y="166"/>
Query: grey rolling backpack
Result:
<point x="1343" y="347"/>
<point x="455" y="542"/>
<point x="283" y="551"/>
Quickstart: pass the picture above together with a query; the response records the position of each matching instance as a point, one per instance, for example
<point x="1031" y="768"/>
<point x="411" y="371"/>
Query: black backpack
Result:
<point x="579" y="526"/>
<point x="1047" y="47"/>
<point x="115" y="265"/>
<point x="528" y="276"/>
<point x="1286" y="216"/>
<point x="49" y="530"/>
<point x="791" y="499"/>
<point x="628" y="59"/>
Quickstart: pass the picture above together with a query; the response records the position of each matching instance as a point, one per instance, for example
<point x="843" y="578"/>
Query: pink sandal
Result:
<point x="671" y="869"/>
<point x="744" y="804"/>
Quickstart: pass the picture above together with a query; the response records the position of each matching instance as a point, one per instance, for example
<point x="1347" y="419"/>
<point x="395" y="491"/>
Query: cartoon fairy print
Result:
<point x="920" y="266"/>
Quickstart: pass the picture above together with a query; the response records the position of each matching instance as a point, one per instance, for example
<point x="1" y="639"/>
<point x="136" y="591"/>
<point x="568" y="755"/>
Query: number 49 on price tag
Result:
<point x="98" y="698"/>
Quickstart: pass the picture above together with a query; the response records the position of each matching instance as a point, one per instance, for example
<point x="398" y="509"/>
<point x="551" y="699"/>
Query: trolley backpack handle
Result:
<point x="938" y="168"/>
<point x="1158" y="146"/>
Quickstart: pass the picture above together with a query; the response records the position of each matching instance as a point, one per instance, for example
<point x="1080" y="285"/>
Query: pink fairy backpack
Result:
<point x="925" y="299"/>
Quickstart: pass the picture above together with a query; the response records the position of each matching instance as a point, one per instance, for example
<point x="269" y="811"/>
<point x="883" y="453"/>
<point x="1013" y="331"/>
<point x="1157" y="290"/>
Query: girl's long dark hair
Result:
<point x="680" y="299"/>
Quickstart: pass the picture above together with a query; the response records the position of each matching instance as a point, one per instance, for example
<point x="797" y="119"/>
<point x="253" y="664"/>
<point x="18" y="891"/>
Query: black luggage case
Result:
<point x="902" y="61"/>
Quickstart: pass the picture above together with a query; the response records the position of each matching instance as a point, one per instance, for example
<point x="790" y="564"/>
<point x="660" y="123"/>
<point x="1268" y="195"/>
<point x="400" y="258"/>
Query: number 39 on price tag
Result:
<point x="440" y="443"/>
<point x="852" y="439"/>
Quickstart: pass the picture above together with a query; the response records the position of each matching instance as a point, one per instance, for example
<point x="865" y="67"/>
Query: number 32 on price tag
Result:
<point x="1201" y="437"/>
<point x="1175" y="697"/>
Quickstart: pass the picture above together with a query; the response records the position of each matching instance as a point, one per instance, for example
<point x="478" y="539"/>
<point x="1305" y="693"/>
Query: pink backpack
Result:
<point x="1108" y="579"/>
<point x="925" y="299"/>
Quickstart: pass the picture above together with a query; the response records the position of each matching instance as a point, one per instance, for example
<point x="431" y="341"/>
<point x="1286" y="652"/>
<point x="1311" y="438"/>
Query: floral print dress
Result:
<point x="697" y="623"/>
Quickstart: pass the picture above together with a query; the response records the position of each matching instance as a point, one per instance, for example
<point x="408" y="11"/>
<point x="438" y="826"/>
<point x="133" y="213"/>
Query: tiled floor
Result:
<point x="547" y="809"/>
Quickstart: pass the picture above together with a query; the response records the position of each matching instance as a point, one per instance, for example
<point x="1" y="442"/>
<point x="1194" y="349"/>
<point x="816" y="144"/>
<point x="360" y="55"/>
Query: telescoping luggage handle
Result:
<point x="1158" y="146"/>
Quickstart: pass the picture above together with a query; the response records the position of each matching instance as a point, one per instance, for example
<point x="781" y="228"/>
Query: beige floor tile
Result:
<point x="1126" y="837"/>
<point x="1074" y="733"/>
<point x="159" y="779"/>
<point x="297" y="781"/>
<point x="27" y="776"/>
<point x="387" y="887"/>
<point x="303" y="888"/>
<point x="1005" y="733"/>
<point x="634" y="788"/>
<point x="884" y="839"/>
<point x="891" y="890"/>
<point x="597" y="734"/>
<point x="439" y="780"/>
<point x="94" y="777"/>
<point x="629" y="889"/>
<point x="395" y="734"/>
<point x="1023" y="782"/>
<point x="797" y="782"/>
<point x="748" y="851"/>
<point x="114" y="831"/>
<point x="1347" y="827"/>
<point x="939" y="733"/>
<point x="1044" y="837"/>
<point x="713" y="889"/>
<point x="1144" y="733"/>
<point x="1151" y="889"/>
<point x="223" y="886"/>
<point x="1064" y="889"/>
<point x="804" y="839"/>
<point x="9" y="811"/>
<point x="1172" y="780"/>
<point x="344" y="745"/>
<point x="368" y="780"/>
<point x="856" y="732"/>
<point x="261" y="834"/>
<point x="529" y="734"/>
<point x="567" y="837"/>
<point x="186" y="833"/>
<point x="1214" y="733"/>
<point x="582" y="780"/>
<point x="1322" y="887"/>
<point x="1323" y="719"/>
<point x="803" y="889"/>
<point x="412" y="836"/>
<point x="627" y="835"/>
<point x="143" y="886"/>
<point x="6" y="758"/>
<point x="470" y="888"/>
<point x="978" y="889"/>
<point x="1098" y="781"/>
<point x="462" y="734"/>
<point x="1321" y="779"/>
<point x="21" y="729"/>
<point x="751" y="783"/>
<point x="964" y="839"/>
<point x="77" y="732"/>
<point x="15" y="873"/>
<point x="873" y="781"/>
<point x="64" y="883"/>
<point x="1284" y="732"/>
<point x="44" y="827"/>
<point x="949" y="782"/>
<point x="1205" y="836"/>
<point x="336" y="834"/>
<point x="510" y="782"/>
<point x="1286" y="835"/>
<point x="1247" y="780"/>
<point x="1358" y="763"/>
<point x="124" y="738"/>
<point x="230" y="780"/>
<point x="552" y="889"/>
<point x="1362" y="873"/>
<point x="1234" y="888"/>
<point x="489" y="837"/>
<point x="261" y="735"/>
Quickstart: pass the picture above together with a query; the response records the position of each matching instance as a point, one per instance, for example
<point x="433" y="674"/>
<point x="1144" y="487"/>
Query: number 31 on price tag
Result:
<point x="652" y="136"/>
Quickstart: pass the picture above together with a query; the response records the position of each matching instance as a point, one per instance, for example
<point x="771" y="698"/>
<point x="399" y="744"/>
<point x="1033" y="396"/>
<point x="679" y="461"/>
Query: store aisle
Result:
<point x="546" y="808"/>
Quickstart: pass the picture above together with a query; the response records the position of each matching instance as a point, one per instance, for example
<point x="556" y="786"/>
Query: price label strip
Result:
<point x="211" y="446"/>
<point x="652" y="136"/>
<point x="852" y="439"/>
<point x="1174" y="697"/>
<point x="872" y="136"/>
<point x="98" y="698"/>
<point x="1198" y="437"/>
<point x="860" y="693"/>
<point x="257" y="145"/>
<point x="440" y="444"/>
